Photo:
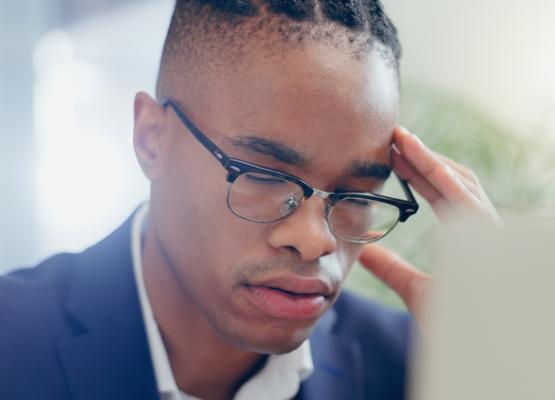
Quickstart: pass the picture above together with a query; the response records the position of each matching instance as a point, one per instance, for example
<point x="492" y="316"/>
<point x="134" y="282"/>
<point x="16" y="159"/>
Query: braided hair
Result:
<point x="198" y="26"/>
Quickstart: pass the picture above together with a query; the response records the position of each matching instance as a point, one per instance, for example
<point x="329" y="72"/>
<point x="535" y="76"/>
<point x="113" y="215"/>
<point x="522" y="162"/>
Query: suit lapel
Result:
<point x="108" y="358"/>
<point x="337" y="365"/>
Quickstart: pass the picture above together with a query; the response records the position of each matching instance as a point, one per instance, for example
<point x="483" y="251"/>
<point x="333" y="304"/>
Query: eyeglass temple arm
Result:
<point x="223" y="158"/>
<point x="406" y="190"/>
<point x="207" y="143"/>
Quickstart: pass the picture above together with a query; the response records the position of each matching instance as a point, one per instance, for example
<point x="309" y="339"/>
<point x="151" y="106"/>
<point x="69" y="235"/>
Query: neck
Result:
<point x="203" y="364"/>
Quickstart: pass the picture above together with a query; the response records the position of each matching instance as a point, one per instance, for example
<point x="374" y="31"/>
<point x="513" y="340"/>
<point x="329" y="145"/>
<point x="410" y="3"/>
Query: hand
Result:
<point x="449" y="187"/>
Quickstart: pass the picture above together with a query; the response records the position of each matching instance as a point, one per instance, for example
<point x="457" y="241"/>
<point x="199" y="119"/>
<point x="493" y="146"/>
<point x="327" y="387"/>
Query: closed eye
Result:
<point x="358" y="202"/>
<point x="264" y="179"/>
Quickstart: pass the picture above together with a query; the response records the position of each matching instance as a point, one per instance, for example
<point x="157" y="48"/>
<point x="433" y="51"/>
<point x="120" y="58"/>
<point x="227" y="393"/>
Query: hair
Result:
<point x="199" y="26"/>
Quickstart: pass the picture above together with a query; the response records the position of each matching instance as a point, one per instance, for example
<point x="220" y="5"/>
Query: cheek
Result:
<point x="339" y="264"/>
<point x="349" y="254"/>
<point x="197" y="187"/>
<point x="197" y="227"/>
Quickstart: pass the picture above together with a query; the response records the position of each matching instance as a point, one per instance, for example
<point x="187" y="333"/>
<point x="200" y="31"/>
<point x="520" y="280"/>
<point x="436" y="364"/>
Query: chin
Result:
<point x="274" y="347"/>
<point x="260" y="334"/>
<point x="272" y="340"/>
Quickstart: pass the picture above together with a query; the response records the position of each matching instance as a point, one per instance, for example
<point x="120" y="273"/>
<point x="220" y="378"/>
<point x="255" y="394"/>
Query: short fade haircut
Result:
<point x="198" y="26"/>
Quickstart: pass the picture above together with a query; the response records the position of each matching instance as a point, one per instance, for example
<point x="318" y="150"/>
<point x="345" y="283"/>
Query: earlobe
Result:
<point x="148" y="138"/>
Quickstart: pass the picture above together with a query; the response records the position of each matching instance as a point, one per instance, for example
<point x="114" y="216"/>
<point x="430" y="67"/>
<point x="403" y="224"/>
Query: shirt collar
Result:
<point x="160" y="361"/>
<point x="280" y="377"/>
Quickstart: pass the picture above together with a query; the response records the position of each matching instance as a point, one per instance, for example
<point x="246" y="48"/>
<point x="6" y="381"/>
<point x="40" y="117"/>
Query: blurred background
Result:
<point x="477" y="81"/>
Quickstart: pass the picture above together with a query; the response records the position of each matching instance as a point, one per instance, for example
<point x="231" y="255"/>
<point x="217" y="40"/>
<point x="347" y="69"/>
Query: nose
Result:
<point x="305" y="232"/>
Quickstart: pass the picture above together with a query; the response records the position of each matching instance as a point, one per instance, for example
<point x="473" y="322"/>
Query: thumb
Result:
<point x="398" y="274"/>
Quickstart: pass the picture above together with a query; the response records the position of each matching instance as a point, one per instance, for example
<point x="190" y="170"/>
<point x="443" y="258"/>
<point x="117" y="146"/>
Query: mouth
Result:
<point x="290" y="298"/>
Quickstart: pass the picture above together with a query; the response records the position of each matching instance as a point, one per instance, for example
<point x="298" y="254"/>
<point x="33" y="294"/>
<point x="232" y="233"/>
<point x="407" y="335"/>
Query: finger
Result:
<point x="440" y="175"/>
<point x="471" y="181"/>
<point x="406" y="172"/>
<point x="461" y="187"/>
<point x="464" y="194"/>
<point x="440" y="206"/>
<point x="467" y="177"/>
<point x="408" y="282"/>
<point x="461" y="169"/>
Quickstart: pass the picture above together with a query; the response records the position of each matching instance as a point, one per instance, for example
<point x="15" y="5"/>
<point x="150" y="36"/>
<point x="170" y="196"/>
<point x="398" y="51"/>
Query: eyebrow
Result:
<point x="274" y="149"/>
<point x="369" y="169"/>
<point x="284" y="153"/>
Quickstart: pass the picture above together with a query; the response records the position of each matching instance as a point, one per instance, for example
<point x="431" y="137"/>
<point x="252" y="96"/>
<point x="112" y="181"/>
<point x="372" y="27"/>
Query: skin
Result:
<point x="321" y="102"/>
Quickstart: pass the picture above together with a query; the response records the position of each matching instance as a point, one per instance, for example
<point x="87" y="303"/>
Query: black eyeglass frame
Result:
<point x="236" y="167"/>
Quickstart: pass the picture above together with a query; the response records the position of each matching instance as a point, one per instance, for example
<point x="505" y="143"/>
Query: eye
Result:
<point x="264" y="179"/>
<point x="355" y="201"/>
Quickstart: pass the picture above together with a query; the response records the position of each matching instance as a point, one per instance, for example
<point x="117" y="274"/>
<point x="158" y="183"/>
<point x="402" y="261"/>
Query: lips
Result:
<point x="290" y="297"/>
<point x="297" y="285"/>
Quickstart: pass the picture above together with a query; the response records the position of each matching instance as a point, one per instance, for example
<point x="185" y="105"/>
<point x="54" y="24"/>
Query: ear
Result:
<point x="149" y="136"/>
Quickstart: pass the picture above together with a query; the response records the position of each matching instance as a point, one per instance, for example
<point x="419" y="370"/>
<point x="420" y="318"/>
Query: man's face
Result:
<point x="262" y="287"/>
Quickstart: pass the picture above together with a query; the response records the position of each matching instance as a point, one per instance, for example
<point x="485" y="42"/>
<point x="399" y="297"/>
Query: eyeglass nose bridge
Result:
<point x="321" y="193"/>
<point x="326" y="196"/>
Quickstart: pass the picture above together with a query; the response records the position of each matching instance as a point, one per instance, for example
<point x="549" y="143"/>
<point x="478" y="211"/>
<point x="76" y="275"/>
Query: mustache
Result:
<point x="253" y="271"/>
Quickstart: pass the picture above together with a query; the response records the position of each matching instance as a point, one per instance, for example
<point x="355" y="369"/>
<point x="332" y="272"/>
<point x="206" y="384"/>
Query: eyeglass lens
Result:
<point x="266" y="198"/>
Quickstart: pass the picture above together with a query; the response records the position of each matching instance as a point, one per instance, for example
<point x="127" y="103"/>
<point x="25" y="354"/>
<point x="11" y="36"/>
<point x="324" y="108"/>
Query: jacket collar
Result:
<point x="337" y="364"/>
<point x="108" y="358"/>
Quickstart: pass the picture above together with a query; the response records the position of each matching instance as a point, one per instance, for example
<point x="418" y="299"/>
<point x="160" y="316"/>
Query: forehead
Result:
<point x="320" y="100"/>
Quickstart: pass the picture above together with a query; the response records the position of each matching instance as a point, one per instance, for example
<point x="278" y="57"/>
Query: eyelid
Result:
<point x="263" y="177"/>
<point x="278" y="171"/>
<point x="343" y="190"/>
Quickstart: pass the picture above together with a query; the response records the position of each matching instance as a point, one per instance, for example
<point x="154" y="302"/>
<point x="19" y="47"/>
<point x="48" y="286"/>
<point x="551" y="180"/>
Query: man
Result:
<point x="221" y="290"/>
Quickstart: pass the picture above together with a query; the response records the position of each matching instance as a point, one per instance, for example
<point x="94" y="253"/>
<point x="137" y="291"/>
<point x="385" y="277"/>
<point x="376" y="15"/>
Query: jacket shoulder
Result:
<point x="28" y="291"/>
<point x="383" y="336"/>
<point x="365" y="318"/>
<point x="33" y="322"/>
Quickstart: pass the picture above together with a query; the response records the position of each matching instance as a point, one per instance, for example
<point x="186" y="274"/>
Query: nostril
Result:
<point x="292" y="250"/>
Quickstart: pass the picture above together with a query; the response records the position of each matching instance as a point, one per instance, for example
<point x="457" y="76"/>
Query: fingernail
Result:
<point x="395" y="149"/>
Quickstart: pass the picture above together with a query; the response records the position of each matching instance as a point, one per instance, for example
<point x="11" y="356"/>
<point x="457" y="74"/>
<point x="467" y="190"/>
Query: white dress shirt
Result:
<point x="279" y="379"/>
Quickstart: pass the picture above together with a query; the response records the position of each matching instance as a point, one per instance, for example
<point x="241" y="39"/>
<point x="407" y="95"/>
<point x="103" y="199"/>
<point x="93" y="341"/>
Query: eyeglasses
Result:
<point x="265" y="195"/>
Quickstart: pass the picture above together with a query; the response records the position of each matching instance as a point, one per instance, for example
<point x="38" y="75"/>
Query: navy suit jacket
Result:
<point x="72" y="328"/>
